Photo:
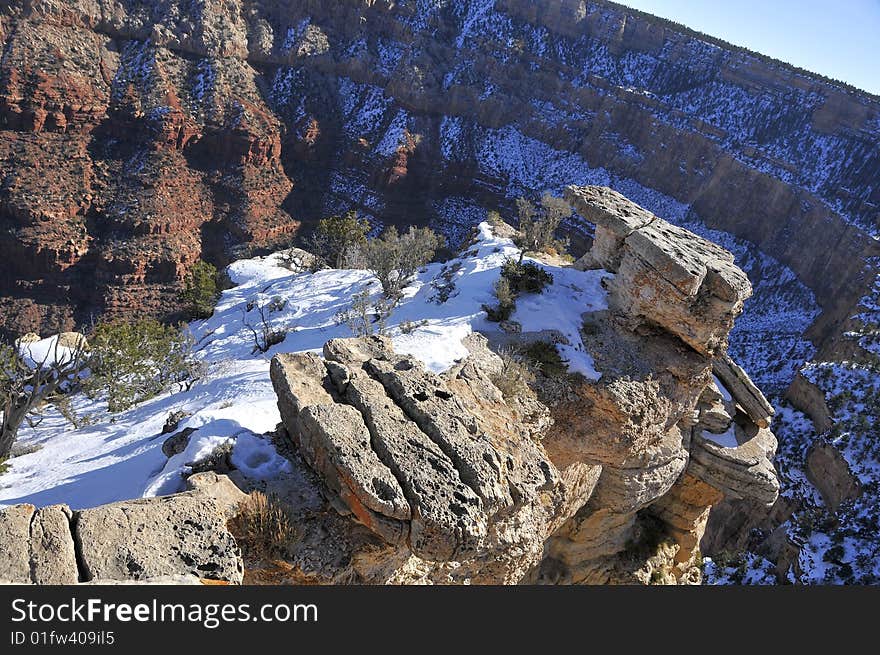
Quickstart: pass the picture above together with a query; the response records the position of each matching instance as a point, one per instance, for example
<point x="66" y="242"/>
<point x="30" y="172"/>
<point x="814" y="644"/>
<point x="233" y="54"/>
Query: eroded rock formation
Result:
<point x="459" y="485"/>
<point x="650" y="420"/>
<point x="415" y="459"/>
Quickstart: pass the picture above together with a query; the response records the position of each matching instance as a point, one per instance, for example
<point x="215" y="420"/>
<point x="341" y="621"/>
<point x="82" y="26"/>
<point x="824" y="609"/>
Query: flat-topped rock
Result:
<point x="183" y="534"/>
<point x="665" y="275"/>
<point x="609" y="209"/>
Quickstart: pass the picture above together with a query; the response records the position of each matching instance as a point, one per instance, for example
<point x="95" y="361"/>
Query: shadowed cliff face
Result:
<point x="137" y="137"/>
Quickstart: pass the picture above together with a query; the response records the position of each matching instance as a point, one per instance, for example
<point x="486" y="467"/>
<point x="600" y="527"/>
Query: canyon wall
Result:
<point x="137" y="138"/>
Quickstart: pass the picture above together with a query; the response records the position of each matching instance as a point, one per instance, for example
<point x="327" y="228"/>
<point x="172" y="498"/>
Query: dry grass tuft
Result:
<point x="515" y="376"/>
<point x="262" y="527"/>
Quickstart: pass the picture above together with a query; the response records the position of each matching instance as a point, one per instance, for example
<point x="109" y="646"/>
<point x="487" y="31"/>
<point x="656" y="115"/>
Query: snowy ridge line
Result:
<point x="119" y="457"/>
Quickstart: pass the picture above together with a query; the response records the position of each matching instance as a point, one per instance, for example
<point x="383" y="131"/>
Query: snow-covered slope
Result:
<point x="119" y="456"/>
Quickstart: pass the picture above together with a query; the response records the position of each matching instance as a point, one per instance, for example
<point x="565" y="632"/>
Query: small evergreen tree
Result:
<point x="132" y="362"/>
<point x="395" y="259"/>
<point x="537" y="226"/>
<point x="337" y="238"/>
<point x="200" y="291"/>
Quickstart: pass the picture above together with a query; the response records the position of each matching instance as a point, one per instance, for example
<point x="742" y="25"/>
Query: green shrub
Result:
<point x="4" y="465"/>
<point x="834" y="554"/>
<point x="201" y="291"/>
<point x="506" y="302"/>
<point x="525" y="277"/>
<point x="396" y="258"/>
<point x="132" y="362"/>
<point x="538" y="225"/>
<point x="546" y="358"/>
<point x="517" y="277"/>
<point x="337" y="238"/>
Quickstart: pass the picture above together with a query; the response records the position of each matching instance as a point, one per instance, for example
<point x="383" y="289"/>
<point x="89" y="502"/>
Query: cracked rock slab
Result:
<point x="183" y="534"/>
<point x="15" y="531"/>
<point x="743" y="390"/>
<point x="436" y="411"/>
<point x="500" y="477"/>
<point x="448" y="521"/>
<point x="413" y="458"/>
<point x="36" y="545"/>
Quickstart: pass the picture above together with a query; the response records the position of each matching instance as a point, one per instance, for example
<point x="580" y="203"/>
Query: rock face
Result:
<point x="137" y="540"/>
<point x="182" y="130"/>
<point x="810" y="399"/>
<point x="36" y="545"/>
<point x="607" y="481"/>
<point x="830" y="473"/>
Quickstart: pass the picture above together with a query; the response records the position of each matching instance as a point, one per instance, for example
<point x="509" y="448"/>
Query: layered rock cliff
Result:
<point x="138" y="137"/>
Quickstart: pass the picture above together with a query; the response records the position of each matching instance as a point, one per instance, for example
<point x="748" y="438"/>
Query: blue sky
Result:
<point x="838" y="38"/>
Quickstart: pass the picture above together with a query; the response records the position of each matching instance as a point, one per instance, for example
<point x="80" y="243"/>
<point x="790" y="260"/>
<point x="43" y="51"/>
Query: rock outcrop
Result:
<point x="608" y="481"/>
<point x="402" y="475"/>
<point x="810" y="399"/>
<point x="408" y="456"/>
<point x="830" y="473"/>
<point x="649" y="421"/>
<point x="664" y="274"/>
<point x="137" y="540"/>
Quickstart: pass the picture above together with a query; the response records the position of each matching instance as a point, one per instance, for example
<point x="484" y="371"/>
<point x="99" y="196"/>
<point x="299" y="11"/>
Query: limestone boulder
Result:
<point x="183" y="534"/>
<point x="53" y="557"/>
<point x="221" y="488"/>
<point x="414" y="457"/>
<point x="665" y="275"/>
<point x="36" y="546"/>
<point x="15" y="532"/>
